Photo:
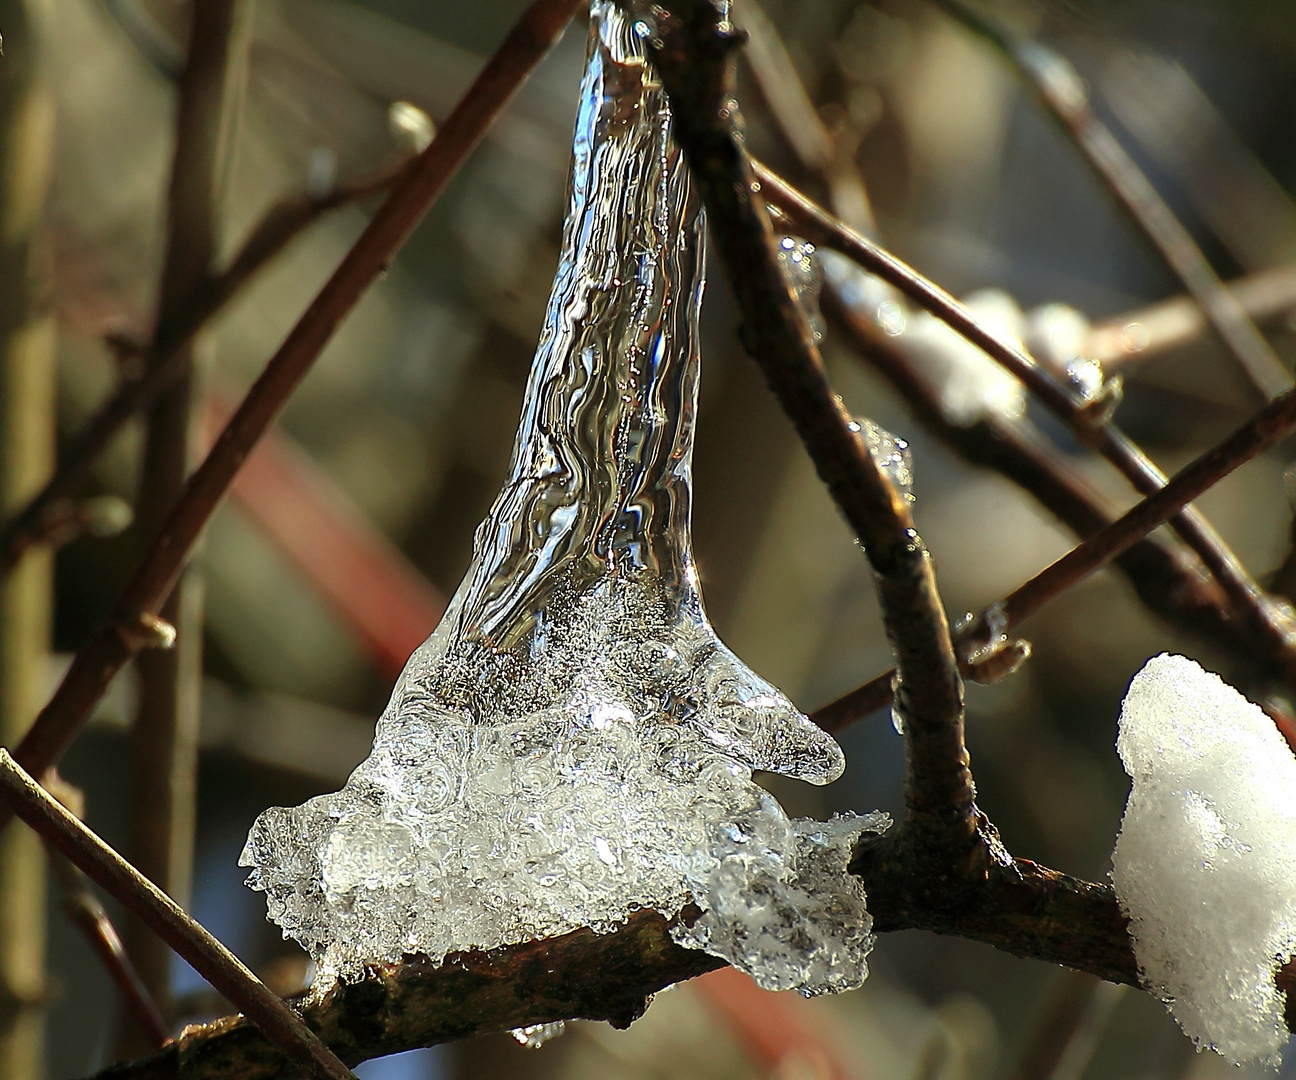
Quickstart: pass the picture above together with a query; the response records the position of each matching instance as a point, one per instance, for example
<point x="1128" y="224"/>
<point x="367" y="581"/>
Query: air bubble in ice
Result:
<point x="796" y="258"/>
<point x="534" y="1036"/>
<point x="574" y="743"/>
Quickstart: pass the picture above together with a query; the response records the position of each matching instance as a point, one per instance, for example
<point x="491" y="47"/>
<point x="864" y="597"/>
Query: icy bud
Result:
<point x="1205" y="864"/>
<point x="534" y="1036"/>
<point x="1059" y="336"/>
<point x="986" y="653"/>
<point x="410" y="125"/>
<point x="891" y="454"/>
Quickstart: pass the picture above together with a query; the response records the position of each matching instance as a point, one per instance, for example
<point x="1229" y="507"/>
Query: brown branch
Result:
<point x="1023" y="907"/>
<point x="1260" y="433"/>
<point x="61" y="830"/>
<point x="94" y="667"/>
<point x="1063" y="94"/>
<point x="816" y="224"/>
<point x="694" y="53"/>
<point x="1257" y="435"/>
<point x="1166" y="578"/>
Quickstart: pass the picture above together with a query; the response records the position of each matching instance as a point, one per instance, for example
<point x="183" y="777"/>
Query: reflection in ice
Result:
<point x="574" y="743"/>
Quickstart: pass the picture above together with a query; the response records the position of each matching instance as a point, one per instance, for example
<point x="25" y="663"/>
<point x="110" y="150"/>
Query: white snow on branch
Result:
<point x="1205" y="864"/>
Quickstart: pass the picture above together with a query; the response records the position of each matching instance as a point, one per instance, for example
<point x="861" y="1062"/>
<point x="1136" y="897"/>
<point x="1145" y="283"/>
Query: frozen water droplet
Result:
<point x="986" y="652"/>
<point x="574" y="743"/>
<point x="535" y="1036"/>
<point x="891" y="453"/>
<point x="797" y="259"/>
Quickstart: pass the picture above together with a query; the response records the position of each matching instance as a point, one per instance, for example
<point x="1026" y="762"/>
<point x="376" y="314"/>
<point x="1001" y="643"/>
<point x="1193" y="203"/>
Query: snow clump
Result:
<point x="1205" y="864"/>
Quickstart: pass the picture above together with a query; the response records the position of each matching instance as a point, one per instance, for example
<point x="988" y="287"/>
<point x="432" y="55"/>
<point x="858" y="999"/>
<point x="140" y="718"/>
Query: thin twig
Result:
<point x="88" y="915"/>
<point x="695" y="59"/>
<point x="817" y="225"/>
<point x="1260" y="433"/>
<point x="148" y="371"/>
<point x="1257" y="435"/>
<point x="1062" y="92"/>
<point x="1167" y="577"/>
<point x="209" y="957"/>
<point x="128" y="630"/>
<point x="164" y="736"/>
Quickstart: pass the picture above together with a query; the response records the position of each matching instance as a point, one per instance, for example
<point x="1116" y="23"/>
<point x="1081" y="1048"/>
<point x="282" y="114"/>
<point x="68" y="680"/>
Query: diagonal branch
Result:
<point x="133" y="624"/>
<point x="1064" y="96"/>
<point x="1263" y="431"/>
<point x="61" y="830"/>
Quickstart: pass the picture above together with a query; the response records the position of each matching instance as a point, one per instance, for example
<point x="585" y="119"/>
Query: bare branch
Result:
<point x="695" y="58"/>
<point x="1169" y="324"/>
<point x="1257" y="435"/>
<point x="94" y="667"/>
<point x="209" y="957"/>
<point x="1062" y="93"/>
<point x="164" y="735"/>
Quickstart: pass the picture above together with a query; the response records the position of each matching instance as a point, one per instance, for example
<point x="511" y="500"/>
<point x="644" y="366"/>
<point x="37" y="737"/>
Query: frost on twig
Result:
<point x="1205" y="865"/>
<point x="574" y="743"/>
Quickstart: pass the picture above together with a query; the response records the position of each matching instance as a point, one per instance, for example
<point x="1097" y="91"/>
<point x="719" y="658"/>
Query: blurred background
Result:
<point x="329" y="562"/>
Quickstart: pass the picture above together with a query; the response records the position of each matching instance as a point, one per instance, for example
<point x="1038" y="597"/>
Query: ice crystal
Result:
<point x="534" y="1036"/>
<point x="1205" y="865"/>
<point x="573" y="742"/>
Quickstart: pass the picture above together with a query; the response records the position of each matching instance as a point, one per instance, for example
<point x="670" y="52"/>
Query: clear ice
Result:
<point x="573" y="742"/>
<point x="1205" y="865"/>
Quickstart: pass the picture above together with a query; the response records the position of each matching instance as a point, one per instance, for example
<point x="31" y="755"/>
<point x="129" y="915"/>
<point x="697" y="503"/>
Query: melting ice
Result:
<point x="573" y="742"/>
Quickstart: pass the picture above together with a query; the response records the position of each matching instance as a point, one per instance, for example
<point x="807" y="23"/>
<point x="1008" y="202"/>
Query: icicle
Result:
<point x="573" y="742"/>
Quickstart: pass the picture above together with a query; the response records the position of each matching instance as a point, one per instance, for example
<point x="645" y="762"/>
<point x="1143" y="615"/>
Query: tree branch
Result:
<point x="1260" y="433"/>
<point x="220" y="967"/>
<point x="94" y="667"/>
<point x="148" y="371"/>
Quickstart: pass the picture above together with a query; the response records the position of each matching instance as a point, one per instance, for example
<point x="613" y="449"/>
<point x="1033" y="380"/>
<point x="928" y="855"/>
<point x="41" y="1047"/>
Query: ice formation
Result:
<point x="573" y="742"/>
<point x="1205" y="865"/>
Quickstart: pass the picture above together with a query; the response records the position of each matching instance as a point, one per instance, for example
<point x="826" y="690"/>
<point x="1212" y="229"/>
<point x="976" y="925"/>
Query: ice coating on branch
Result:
<point x="573" y="742"/>
<point x="1205" y="865"/>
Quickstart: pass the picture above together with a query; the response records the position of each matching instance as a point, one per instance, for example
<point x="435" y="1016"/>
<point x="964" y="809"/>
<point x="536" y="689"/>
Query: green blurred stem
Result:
<point x="26" y="454"/>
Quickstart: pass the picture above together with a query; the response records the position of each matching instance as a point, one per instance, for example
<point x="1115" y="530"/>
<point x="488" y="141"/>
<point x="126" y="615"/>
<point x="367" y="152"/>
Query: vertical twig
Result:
<point x="133" y="625"/>
<point x="164" y="737"/>
<point x="1064" y="96"/>
<point x="26" y="454"/>
<point x="694" y="53"/>
<point x="151" y="369"/>
<point x="220" y="967"/>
